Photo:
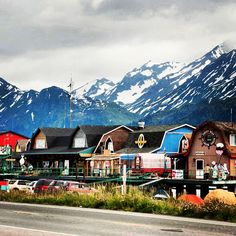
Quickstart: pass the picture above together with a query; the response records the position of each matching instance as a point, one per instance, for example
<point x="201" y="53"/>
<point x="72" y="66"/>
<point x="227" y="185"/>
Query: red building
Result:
<point x="9" y="138"/>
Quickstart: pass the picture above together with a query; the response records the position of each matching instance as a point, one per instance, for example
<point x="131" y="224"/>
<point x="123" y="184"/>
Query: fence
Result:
<point x="111" y="173"/>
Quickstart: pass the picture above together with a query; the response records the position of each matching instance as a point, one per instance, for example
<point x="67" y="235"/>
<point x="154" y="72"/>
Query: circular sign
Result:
<point x="208" y="138"/>
<point x="141" y="141"/>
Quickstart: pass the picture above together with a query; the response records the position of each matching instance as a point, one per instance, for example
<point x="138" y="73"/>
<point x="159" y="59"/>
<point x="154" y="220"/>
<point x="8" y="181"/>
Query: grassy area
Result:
<point x="134" y="200"/>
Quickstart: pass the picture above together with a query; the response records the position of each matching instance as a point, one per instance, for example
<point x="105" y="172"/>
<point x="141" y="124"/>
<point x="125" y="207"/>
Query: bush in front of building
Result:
<point x="135" y="201"/>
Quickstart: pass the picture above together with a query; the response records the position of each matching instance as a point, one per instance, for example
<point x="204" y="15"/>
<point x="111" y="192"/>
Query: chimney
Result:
<point x="141" y="124"/>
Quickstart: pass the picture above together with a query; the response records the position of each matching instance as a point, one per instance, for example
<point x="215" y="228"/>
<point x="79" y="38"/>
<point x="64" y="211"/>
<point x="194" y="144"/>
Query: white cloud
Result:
<point x="44" y="42"/>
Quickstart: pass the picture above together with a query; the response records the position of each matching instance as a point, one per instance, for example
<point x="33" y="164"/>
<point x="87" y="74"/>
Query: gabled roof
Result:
<point x="97" y="129"/>
<point x="118" y="127"/>
<point x="153" y="140"/>
<point x="159" y="128"/>
<point x="171" y="140"/>
<point x="225" y="128"/>
<point x="95" y="132"/>
<point x="154" y="136"/>
<point x="56" y="136"/>
<point x="9" y="131"/>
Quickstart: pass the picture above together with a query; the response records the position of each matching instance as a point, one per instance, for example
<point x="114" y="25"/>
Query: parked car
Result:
<point x="42" y="185"/>
<point x="18" y="184"/>
<point x="57" y="185"/>
<point x="73" y="186"/>
<point x="31" y="186"/>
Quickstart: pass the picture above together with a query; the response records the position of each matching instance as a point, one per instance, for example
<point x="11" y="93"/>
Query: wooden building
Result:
<point x="213" y="144"/>
<point x="8" y="141"/>
<point x="65" y="150"/>
<point x="140" y="154"/>
<point x="105" y="160"/>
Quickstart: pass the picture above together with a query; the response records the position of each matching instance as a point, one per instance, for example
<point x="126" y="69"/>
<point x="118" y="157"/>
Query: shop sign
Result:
<point x="177" y="174"/>
<point x="141" y="141"/>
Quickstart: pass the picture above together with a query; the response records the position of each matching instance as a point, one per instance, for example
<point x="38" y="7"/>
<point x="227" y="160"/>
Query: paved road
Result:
<point x="30" y="219"/>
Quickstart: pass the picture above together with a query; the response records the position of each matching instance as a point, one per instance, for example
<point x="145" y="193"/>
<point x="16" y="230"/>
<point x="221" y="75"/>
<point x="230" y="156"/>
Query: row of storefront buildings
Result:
<point x="176" y="151"/>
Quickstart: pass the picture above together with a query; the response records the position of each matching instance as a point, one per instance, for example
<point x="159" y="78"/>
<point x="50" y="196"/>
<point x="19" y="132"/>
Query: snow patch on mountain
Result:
<point x="135" y="91"/>
<point x="146" y="73"/>
<point x="93" y="89"/>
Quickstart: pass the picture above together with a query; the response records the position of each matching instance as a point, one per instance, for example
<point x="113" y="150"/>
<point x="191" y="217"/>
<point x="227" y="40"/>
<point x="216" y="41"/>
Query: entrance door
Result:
<point x="199" y="169"/>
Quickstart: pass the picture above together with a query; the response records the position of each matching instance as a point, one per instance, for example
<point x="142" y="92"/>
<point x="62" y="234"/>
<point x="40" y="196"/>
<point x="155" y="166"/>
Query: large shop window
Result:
<point x="232" y="139"/>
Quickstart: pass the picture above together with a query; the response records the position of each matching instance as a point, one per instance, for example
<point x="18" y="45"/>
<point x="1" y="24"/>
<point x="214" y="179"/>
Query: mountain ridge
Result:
<point x="160" y="93"/>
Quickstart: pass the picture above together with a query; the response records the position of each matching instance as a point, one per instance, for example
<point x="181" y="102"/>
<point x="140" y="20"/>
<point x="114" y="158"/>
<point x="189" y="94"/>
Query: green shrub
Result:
<point x="109" y="197"/>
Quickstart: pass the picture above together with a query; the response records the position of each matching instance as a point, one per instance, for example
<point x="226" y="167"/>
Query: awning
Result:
<point x="87" y="152"/>
<point x="127" y="157"/>
<point x="101" y="158"/>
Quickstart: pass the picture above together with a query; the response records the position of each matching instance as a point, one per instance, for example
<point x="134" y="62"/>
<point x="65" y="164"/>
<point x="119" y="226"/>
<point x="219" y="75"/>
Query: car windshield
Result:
<point x="43" y="182"/>
<point x="57" y="183"/>
<point x="12" y="181"/>
<point x="60" y="183"/>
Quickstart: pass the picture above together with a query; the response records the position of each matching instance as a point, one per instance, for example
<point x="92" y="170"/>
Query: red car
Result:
<point x="57" y="185"/>
<point x="73" y="186"/>
<point x="42" y="185"/>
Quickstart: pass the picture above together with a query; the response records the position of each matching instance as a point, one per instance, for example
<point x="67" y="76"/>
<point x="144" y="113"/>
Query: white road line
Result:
<point x="26" y="213"/>
<point x="36" y="230"/>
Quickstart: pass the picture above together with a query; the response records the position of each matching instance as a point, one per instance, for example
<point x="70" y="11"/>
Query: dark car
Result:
<point x="57" y="185"/>
<point x="42" y="185"/>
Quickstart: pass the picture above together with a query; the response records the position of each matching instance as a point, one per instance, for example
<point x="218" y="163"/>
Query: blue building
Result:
<point x="175" y="140"/>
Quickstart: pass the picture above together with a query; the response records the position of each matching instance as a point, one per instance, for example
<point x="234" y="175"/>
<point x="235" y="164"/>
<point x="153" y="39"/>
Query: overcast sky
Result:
<point x="44" y="42"/>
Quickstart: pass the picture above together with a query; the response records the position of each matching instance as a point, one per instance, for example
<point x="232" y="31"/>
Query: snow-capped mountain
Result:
<point x="138" y="81"/>
<point x="25" y="111"/>
<point x="165" y="93"/>
<point x="215" y="81"/>
<point x="93" y="89"/>
<point x="148" y="102"/>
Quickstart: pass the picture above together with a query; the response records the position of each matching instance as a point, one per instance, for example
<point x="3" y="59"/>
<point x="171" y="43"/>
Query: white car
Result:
<point x="18" y="185"/>
<point x="31" y="186"/>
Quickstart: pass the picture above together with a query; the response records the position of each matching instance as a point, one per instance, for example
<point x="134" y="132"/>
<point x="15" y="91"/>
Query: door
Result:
<point x="199" y="169"/>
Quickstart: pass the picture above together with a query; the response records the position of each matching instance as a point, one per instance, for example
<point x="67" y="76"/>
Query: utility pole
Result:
<point x="70" y="97"/>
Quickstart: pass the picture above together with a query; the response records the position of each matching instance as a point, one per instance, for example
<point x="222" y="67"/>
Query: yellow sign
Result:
<point x="141" y="141"/>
